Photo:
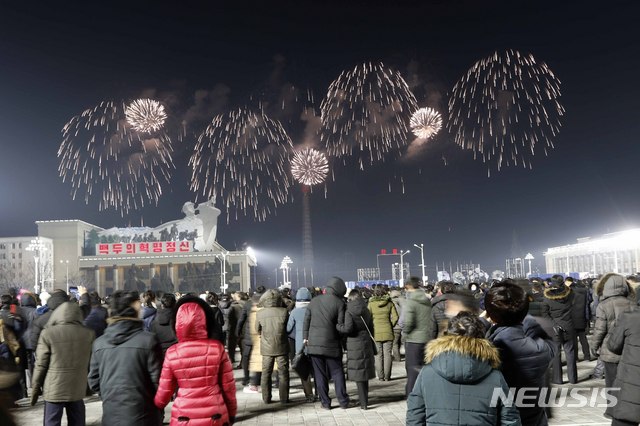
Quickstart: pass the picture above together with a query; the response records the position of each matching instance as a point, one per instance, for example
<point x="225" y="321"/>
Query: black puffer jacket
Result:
<point x="57" y="298"/>
<point x="97" y="320"/>
<point x="615" y="297"/>
<point x="360" y="358"/>
<point x="535" y="304"/>
<point x="579" y="308"/>
<point x="625" y="340"/>
<point x="440" y="319"/>
<point x="557" y="307"/>
<point x="271" y="324"/>
<point x="230" y="316"/>
<point x="28" y="313"/>
<point x="161" y="327"/>
<point x="526" y="352"/>
<point x="324" y="313"/>
<point x="243" y="322"/>
<point x="125" y="370"/>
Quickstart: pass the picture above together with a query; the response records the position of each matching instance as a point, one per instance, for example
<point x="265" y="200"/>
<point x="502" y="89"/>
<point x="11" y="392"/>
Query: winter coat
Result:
<point x="271" y="324"/>
<point x="97" y="320"/>
<point x="230" y="317"/>
<point x="255" y="359"/>
<point x="63" y="356"/>
<point x="556" y="307"/>
<point x="398" y="302"/>
<point x="615" y="297"/>
<point x="456" y="385"/>
<point x="28" y="312"/>
<point x="526" y="352"/>
<point x="418" y="322"/>
<point x="125" y="370"/>
<point x="161" y="327"/>
<point x="296" y="322"/>
<point x="624" y="340"/>
<point x="148" y="315"/>
<point x="385" y="318"/>
<point x="244" y="328"/>
<point x="323" y="314"/>
<point x="360" y="357"/>
<point x="57" y="298"/>
<point x="535" y="304"/>
<point x="199" y="368"/>
<point x="580" y="306"/>
<point x="440" y="319"/>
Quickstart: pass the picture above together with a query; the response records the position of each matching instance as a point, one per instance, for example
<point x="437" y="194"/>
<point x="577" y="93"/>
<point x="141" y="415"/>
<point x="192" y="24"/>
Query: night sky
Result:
<point x="59" y="58"/>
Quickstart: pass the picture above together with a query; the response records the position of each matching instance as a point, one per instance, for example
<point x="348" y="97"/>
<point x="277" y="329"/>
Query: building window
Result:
<point x="20" y="245"/>
<point x="108" y="275"/>
<point x="13" y="245"/>
<point x="235" y="268"/>
<point x="20" y="255"/>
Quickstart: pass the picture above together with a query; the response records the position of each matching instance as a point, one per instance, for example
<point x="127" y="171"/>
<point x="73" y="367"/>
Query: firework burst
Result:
<point x="426" y="123"/>
<point x="146" y="115"/>
<point x="241" y="158"/>
<point x="309" y="166"/>
<point x="102" y="156"/>
<point x="365" y="113"/>
<point x="506" y="108"/>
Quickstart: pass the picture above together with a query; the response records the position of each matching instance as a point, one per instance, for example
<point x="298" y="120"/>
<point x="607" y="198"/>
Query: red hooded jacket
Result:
<point x="201" y="370"/>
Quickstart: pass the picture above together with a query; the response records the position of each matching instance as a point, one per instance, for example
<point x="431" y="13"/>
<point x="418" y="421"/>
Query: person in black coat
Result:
<point x="97" y="318"/>
<point x="230" y="324"/>
<point x="556" y="307"/>
<point x="243" y="329"/>
<point x="625" y="340"/>
<point x="579" y="314"/>
<point x="125" y="367"/>
<point x="358" y="324"/>
<point x="320" y="333"/>
<point x="161" y="325"/>
<point x="57" y="298"/>
<point x="525" y="348"/>
<point x="446" y="290"/>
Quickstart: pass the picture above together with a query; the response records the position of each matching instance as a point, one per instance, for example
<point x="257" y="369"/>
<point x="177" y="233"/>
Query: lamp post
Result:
<point x="529" y="257"/>
<point x="284" y="265"/>
<point x="223" y="275"/>
<point x="402" y="253"/>
<point x="66" y="262"/>
<point x="421" y="247"/>
<point x="36" y="246"/>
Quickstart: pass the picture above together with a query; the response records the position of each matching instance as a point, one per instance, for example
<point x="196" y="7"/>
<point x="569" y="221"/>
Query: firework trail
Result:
<point x="309" y="166"/>
<point x="425" y="123"/>
<point x="102" y="156"/>
<point x="366" y="113"/>
<point x="506" y="108"/>
<point x="146" y="115"/>
<point x="242" y="158"/>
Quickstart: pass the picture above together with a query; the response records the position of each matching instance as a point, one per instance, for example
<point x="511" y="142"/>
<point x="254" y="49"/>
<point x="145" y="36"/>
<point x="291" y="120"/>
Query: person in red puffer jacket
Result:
<point x="199" y="367"/>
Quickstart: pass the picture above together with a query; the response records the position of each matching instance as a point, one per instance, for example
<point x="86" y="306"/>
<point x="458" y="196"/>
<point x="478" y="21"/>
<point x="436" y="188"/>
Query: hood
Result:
<point x="418" y="296"/>
<point x="560" y="293"/>
<point x="380" y="300"/>
<point x="440" y="298"/>
<point x="164" y="316"/>
<point x="28" y="299"/>
<point x="462" y="359"/>
<point x="67" y="313"/>
<point x="357" y="307"/>
<point x="224" y="304"/>
<point x="121" y="329"/>
<point x="148" y="312"/>
<point x="210" y="327"/>
<point x="303" y="294"/>
<point x="337" y="287"/>
<point x="56" y="299"/>
<point x="191" y="323"/>
<point x="613" y="285"/>
<point x="271" y="299"/>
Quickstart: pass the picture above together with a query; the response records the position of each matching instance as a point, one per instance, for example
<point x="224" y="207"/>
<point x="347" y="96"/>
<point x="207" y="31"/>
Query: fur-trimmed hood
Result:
<point x="557" y="293"/>
<point x="462" y="359"/>
<point x="612" y="284"/>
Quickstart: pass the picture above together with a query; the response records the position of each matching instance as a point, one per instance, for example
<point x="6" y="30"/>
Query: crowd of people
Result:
<point x="460" y="343"/>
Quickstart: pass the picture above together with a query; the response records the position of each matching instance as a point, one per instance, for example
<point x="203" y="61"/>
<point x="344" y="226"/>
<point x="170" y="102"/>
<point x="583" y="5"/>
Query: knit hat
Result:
<point x="303" y="294"/>
<point x="121" y="303"/>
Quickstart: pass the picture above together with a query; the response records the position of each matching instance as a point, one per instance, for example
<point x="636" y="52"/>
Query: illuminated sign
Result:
<point x="145" y="248"/>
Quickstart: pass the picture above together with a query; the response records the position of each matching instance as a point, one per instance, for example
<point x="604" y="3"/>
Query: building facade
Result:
<point x="18" y="263"/>
<point x="616" y="252"/>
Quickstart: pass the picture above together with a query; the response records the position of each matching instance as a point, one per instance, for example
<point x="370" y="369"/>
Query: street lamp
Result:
<point x="66" y="262"/>
<point x="36" y="246"/>
<point x="421" y="247"/>
<point x="286" y="261"/>
<point x="529" y="257"/>
<point x="402" y="253"/>
<point x="223" y="275"/>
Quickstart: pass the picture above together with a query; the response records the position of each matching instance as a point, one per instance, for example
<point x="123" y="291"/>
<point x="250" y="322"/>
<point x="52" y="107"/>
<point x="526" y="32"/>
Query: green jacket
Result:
<point x="385" y="316"/>
<point x="271" y="324"/>
<point x="418" y="322"/>
<point x="62" y="356"/>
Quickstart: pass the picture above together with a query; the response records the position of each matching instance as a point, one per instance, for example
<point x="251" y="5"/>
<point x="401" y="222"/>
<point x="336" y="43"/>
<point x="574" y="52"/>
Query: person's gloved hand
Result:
<point x="35" y="394"/>
<point x="595" y="352"/>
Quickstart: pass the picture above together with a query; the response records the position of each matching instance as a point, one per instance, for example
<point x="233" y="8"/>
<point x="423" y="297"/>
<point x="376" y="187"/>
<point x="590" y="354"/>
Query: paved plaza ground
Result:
<point x="387" y="406"/>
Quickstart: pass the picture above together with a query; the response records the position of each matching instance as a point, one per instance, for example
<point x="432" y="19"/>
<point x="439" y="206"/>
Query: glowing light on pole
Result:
<point x="421" y="247"/>
<point x="402" y="253"/>
<point x="37" y="247"/>
<point x="66" y="263"/>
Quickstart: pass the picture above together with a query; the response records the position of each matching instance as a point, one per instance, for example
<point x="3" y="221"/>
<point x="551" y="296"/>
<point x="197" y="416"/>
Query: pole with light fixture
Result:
<point x="36" y="246"/>
<point x="66" y="263"/>
<point x="421" y="247"/>
<point x="402" y="253"/>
